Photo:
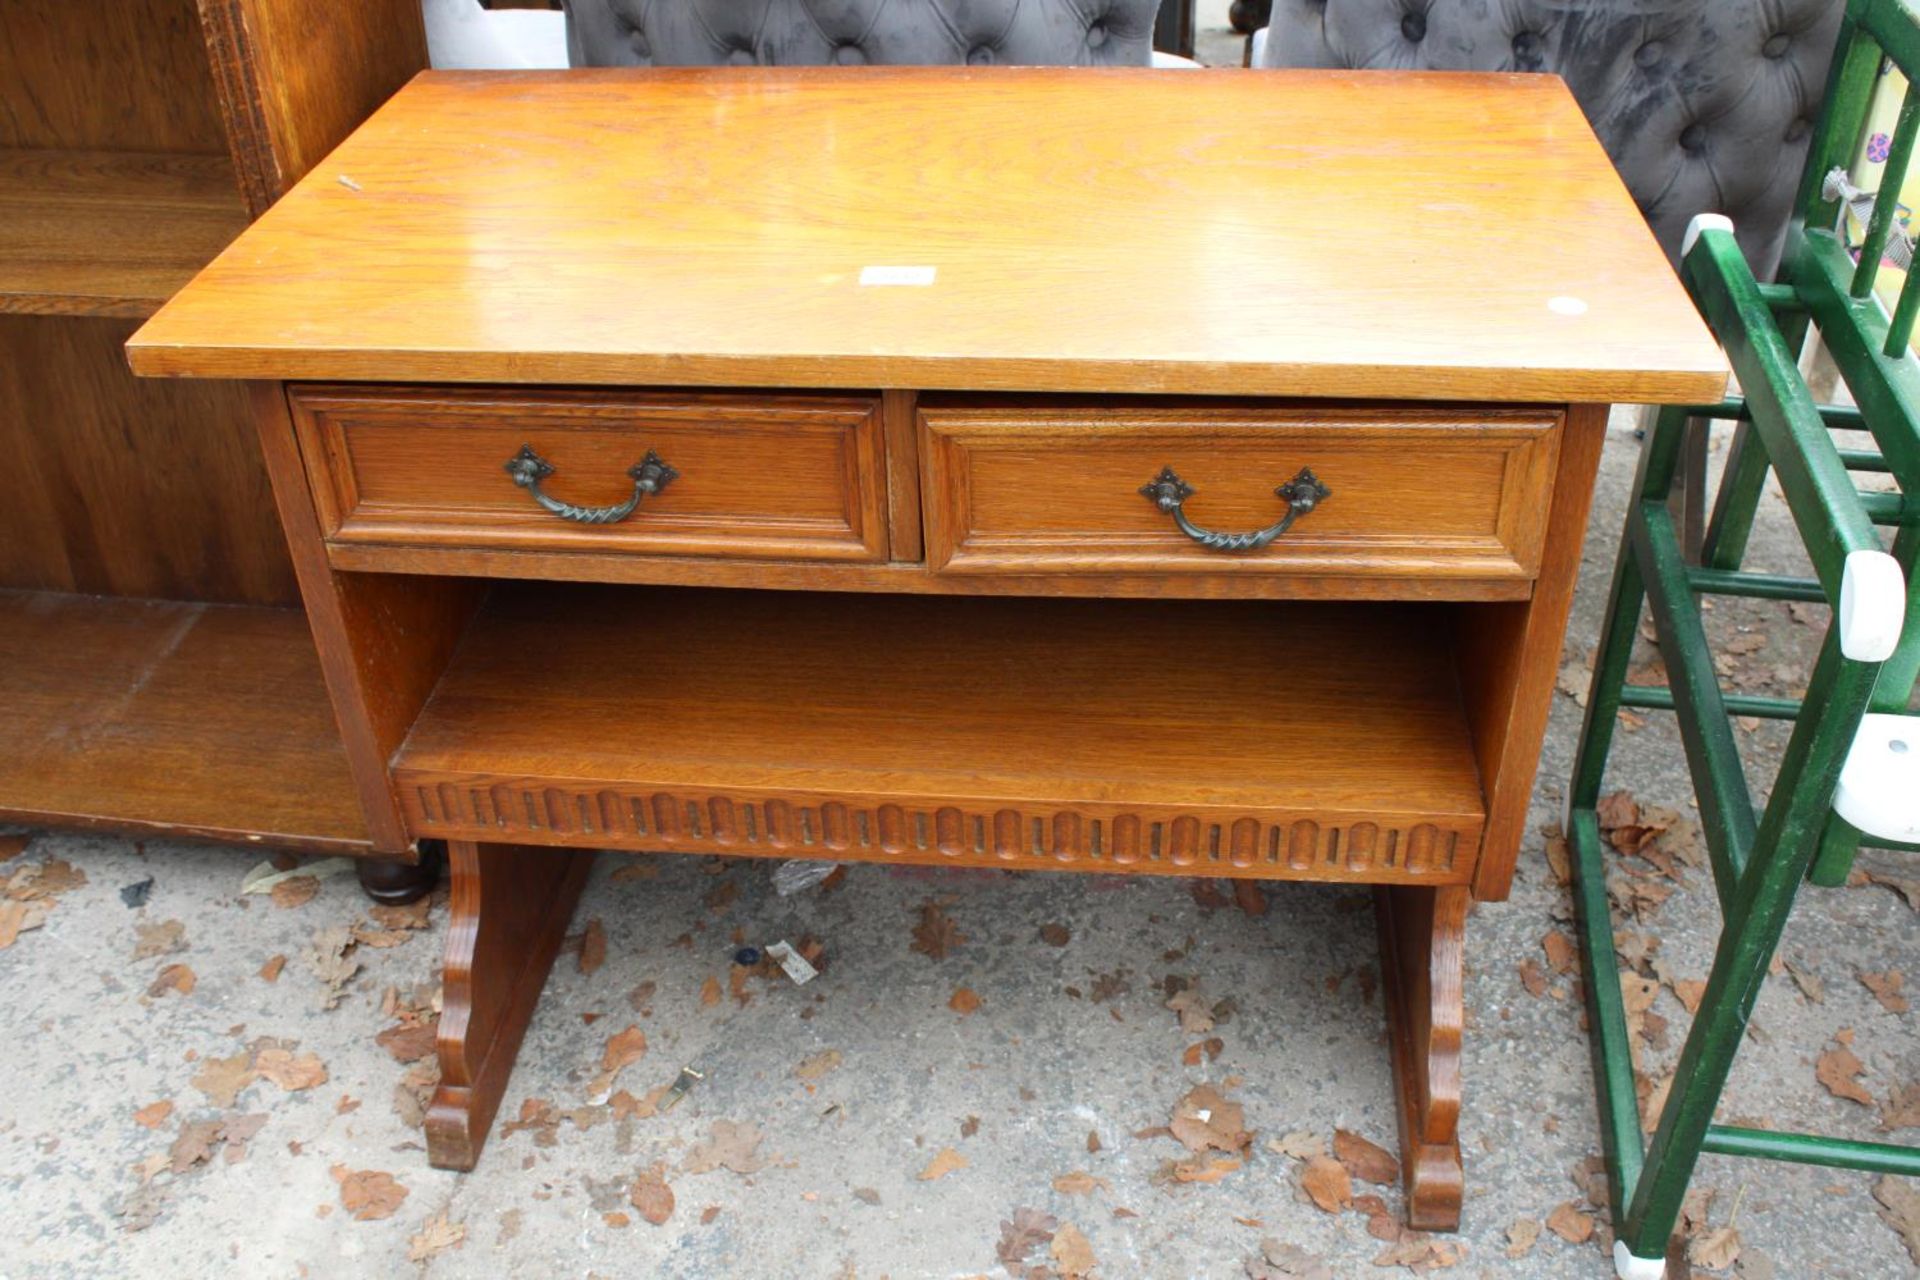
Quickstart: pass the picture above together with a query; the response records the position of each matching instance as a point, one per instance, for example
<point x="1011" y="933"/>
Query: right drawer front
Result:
<point x="1411" y="493"/>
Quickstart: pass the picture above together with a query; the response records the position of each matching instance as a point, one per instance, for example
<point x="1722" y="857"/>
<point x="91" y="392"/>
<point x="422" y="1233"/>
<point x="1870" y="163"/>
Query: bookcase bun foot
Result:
<point x="510" y="909"/>
<point x="395" y="882"/>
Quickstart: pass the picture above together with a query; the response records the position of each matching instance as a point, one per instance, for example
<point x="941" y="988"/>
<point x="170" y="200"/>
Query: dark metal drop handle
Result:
<point x="1301" y="494"/>
<point x="649" y="475"/>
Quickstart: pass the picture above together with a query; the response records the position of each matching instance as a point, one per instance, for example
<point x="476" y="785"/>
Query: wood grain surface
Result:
<point x="126" y="486"/>
<point x="105" y="233"/>
<point x="1018" y="488"/>
<point x="505" y="921"/>
<point x="758" y="476"/>
<point x="296" y="76"/>
<point x="186" y="720"/>
<point x="1240" y="738"/>
<point x="1437" y="236"/>
<point x="106" y="75"/>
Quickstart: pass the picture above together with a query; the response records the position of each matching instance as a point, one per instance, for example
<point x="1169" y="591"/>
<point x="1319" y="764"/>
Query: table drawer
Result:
<point x="758" y="477"/>
<point x="1401" y="493"/>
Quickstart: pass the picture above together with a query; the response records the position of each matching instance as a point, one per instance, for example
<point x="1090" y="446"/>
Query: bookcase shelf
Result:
<point x="109" y="233"/>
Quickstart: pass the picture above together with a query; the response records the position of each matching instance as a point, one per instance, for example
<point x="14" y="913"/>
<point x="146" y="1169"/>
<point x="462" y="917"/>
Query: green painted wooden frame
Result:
<point x="1759" y="860"/>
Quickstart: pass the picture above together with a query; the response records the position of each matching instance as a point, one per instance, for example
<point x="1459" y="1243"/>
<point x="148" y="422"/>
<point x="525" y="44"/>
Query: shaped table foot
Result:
<point x="510" y="908"/>
<point x="1422" y="937"/>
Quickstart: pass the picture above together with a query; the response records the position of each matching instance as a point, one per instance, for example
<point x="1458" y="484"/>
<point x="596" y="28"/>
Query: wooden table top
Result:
<point x="1313" y="233"/>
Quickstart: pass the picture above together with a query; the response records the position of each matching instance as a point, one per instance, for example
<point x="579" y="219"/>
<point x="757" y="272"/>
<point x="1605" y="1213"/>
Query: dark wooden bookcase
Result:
<point x="155" y="667"/>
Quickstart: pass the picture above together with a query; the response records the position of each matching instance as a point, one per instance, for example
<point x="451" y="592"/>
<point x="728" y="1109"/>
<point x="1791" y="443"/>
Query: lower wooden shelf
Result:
<point x="1251" y="739"/>
<point x="192" y="720"/>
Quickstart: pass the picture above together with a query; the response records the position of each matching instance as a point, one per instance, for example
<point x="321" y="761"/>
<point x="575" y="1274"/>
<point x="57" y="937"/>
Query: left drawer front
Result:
<point x="774" y="477"/>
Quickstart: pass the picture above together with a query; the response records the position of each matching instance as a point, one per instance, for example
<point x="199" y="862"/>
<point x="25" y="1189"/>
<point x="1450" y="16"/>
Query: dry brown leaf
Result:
<point x="1716" y="1250"/>
<point x="942" y="1164"/>
<point x="1886" y="988"/>
<point x="1420" y="1254"/>
<point x="1300" y="1144"/>
<point x="435" y="1237"/>
<point x="1900" y="1209"/>
<point x="593" y="946"/>
<point x="1279" y="1261"/>
<point x="1902" y="1108"/>
<point x="223" y="1080"/>
<point x="296" y="891"/>
<point x="1026" y="1231"/>
<point x="1809" y="982"/>
<point x="819" y="1064"/>
<point x="417" y="914"/>
<point x="409" y="1041"/>
<point x="1055" y="935"/>
<point x="17" y="918"/>
<point x="652" y="1196"/>
<point x="1196" y="1014"/>
<point x="368" y="1194"/>
<point x="1365" y="1160"/>
<point x="729" y="1146"/>
<point x="1072" y="1252"/>
<point x="623" y="1049"/>
<point x="290" y="1073"/>
<point x="328" y="954"/>
<point x="175" y="977"/>
<point x="1689" y="993"/>
<point x="1205" y="1119"/>
<point x="271" y="969"/>
<point x="1202" y="1168"/>
<point x="1570" y="1224"/>
<point x="936" y="936"/>
<point x="1079" y="1183"/>
<point x="964" y="1001"/>
<point x="1533" y="977"/>
<point x="1521" y="1237"/>
<point x="710" y="992"/>
<point x="1560" y="951"/>
<point x="1840" y="1071"/>
<point x="194" y="1144"/>
<point x="154" y="1114"/>
<point x="1327" y="1183"/>
<point x="158" y="939"/>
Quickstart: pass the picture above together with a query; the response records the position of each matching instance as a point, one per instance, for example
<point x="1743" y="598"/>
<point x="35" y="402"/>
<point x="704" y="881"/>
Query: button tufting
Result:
<point x="1414" y="26"/>
<point x="979" y="56"/>
<point x="1694" y="137"/>
<point x="1096" y="35"/>
<point x="1799" y="129"/>
<point x="848" y="55"/>
<point x="1648" y="55"/>
<point x="1527" y="47"/>
<point x="740" y="58"/>
<point x="1777" y="45"/>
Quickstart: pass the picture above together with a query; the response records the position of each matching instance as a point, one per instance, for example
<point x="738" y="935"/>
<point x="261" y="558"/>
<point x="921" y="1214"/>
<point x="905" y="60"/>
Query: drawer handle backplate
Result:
<point x="1301" y="494"/>
<point x="650" y="476"/>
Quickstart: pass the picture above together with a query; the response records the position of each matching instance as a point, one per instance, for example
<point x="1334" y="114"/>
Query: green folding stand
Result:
<point x="1851" y="770"/>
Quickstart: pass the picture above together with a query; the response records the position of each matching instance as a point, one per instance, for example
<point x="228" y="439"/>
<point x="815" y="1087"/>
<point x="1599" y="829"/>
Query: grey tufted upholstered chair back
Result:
<point x="1706" y="106"/>
<point x="642" y="33"/>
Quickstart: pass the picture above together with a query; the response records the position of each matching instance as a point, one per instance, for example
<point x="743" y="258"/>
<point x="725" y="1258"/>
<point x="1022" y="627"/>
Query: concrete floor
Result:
<point x="1068" y="1041"/>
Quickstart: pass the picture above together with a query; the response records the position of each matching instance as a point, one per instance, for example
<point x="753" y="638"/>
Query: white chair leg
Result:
<point x="1628" y="1267"/>
<point x="1879" y="789"/>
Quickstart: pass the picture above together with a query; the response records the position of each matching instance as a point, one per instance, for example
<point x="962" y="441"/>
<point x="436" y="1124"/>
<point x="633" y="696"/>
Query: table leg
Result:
<point x="1422" y="935"/>
<point x="510" y="907"/>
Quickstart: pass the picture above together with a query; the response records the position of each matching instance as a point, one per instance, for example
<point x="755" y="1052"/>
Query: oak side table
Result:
<point x="974" y="467"/>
